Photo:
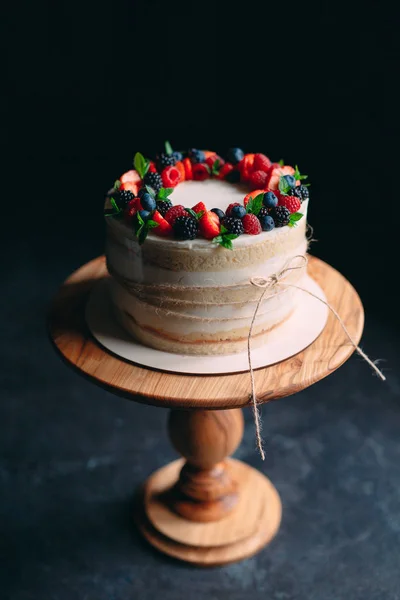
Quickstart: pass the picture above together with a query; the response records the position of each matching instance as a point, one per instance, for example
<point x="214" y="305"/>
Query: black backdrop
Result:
<point x="312" y="83"/>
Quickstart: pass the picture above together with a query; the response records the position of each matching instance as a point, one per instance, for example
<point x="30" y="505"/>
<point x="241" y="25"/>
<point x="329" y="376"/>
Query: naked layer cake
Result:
<point x="187" y="234"/>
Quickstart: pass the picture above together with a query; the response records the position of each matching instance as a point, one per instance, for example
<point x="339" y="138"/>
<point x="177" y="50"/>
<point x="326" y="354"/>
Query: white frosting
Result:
<point x="214" y="193"/>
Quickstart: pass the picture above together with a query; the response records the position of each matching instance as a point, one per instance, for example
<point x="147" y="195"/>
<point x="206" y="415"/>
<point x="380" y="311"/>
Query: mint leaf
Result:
<point x="194" y="214"/>
<point x="141" y="164"/>
<point x="281" y="162"/>
<point x="139" y="218"/>
<point x="151" y="224"/>
<point x="284" y="187"/>
<point x="294" y="218"/>
<point x="225" y="240"/>
<point x="117" y="184"/>
<point x="115" y="205"/>
<point x="254" y="204"/>
<point x="217" y="239"/>
<point x="164" y="193"/>
<point x="223" y="229"/>
<point x="168" y="148"/>
<point x="298" y="176"/>
<point x="216" y="166"/>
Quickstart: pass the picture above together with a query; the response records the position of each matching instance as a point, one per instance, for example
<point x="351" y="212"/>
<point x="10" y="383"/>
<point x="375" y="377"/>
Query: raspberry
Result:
<point x="292" y="203"/>
<point x="258" y="179"/>
<point x="233" y="225"/>
<point x="153" y="180"/>
<point x="185" y="228"/>
<point x="165" y="160"/>
<point x="200" y="172"/>
<point x="301" y="192"/>
<point x="229" y="209"/>
<point x="261" y="163"/>
<point x="174" y="212"/>
<point x="170" y="177"/>
<point x="280" y="215"/>
<point x="251" y="225"/>
<point x="163" y="206"/>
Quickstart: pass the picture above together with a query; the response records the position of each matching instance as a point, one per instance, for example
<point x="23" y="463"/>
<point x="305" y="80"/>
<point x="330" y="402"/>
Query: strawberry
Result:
<point x="174" y="212"/>
<point x="261" y="163"/>
<point x="208" y="153"/>
<point x="225" y="170"/>
<point x="170" y="177"/>
<point x="199" y="207"/>
<point x="209" y="225"/>
<point x="246" y="166"/>
<point x="252" y="195"/>
<point x="292" y="203"/>
<point x="228" y="210"/>
<point x="187" y="165"/>
<point x="200" y="172"/>
<point x="258" y="179"/>
<point x="131" y="186"/>
<point x="132" y="176"/>
<point x="213" y="158"/>
<point x="164" y="229"/>
<point x="180" y="166"/>
<point x="288" y="170"/>
<point x="251" y="224"/>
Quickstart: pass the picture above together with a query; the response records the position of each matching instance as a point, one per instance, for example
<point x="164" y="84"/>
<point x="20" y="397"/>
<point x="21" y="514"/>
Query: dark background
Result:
<point x="87" y="85"/>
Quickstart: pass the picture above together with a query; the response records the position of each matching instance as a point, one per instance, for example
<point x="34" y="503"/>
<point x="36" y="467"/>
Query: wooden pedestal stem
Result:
<point x="206" y="490"/>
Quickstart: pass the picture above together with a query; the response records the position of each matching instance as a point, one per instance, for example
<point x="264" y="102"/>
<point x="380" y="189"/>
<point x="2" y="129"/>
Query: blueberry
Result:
<point x="235" y="155"/>
<point x="219" y="212"/>
<point x="177" y="156"/>
<point x="142" y="191"/>
<point x="197" y="156"/>
<point x="145" y="214"/>
<point x="290" y="180"/>
<point x="238" y="212"/>
<point x="270" y="200"/>
<point x="267" y="223"/>
<point x="147" y="202"/>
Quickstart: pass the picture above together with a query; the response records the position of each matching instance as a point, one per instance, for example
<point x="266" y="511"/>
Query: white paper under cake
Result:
<point x="298" y="332"/>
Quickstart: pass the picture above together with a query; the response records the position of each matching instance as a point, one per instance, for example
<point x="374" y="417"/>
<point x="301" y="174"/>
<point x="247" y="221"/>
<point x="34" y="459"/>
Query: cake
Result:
<point x="187" y="237"/>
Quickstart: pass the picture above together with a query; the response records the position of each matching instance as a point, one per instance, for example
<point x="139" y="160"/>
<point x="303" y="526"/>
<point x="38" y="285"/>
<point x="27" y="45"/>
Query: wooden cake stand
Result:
<point x="207" y="509"/>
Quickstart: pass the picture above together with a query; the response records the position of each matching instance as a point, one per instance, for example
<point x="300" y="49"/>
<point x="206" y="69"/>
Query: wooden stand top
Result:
<point x="73" y="340"/>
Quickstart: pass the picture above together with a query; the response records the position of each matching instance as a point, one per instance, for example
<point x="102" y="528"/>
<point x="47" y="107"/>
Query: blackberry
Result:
<point x="163" y="206"/>
<point x="234" y="225"/>
<point x="301" y="192"/>
<point x="196" y="156"/>
<point x="153" y="180"/>
<point x="122" y="197"/>
<point x="165" y="160"/>
<point x="263" y="212"/>
<point x="233" y="176"/>
<point x="185" y="228"/>
<point x="280" y="215"/>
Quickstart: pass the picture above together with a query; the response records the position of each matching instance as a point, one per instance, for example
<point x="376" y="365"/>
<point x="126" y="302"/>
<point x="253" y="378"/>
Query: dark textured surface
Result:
<point x="72" y="456"/>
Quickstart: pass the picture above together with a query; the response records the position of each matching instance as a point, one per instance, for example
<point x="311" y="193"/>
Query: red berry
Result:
<point x="131" y="186"/>
<point x="170" y="177"/>
<point x="174" y="212"/>
<point x="292" y="203"/>
<point x="252" y="195"/>
<point x="152" y="167"/>
<point x="275" y="173"/>
<point x="210" y="160"/>
<point x="131" y="209"/>
<point x="187" y="165"/>
<point x="209" y="225"/>
<point x="131" y="175"/>
<point x="258" y="179"/>
<point x="164" y="228"/>
<point x="251" y="224"/>
<point x="228" y="210"/>
<point x="200" y="172"/>
<point x="261" y="163"/>
<point x="245" y="166"/>
<point x="199" y="207"/>
<point x="226" y="168"/>
<point x="179" y="165"/>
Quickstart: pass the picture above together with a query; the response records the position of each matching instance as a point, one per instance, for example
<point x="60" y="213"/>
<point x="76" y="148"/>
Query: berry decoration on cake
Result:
<point x="141" y="197"/>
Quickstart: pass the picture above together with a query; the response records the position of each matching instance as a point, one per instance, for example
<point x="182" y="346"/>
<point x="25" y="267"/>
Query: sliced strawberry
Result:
<point x="209" y="225"/>
<point x="180" y="166"/>
<point x="252" y="195"/>
<point x="164" y="229"/>
<point x="199" y="207"/>
<point x="132" y="176"/>
<point x="187" y="165"/>
<point x="131" y="186"/>
<point x="288" y="170"/>
<point x="213" y="158"/>
<point x="246" y="166"/>
<point x="225" y="170"/>
<point x="275" y="173"/>
<point x="208" y="153"/>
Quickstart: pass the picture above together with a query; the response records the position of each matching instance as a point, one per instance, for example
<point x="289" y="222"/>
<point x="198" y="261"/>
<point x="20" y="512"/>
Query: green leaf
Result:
<point x="110" y="213"/>
<point x="139" y="218"/>
<point x="230" y="236"/>
<point x="217" y="239"/>
<point x="115" y="205"/>
<point x="150" y="224"/>
<point x="142" y="235"/>
<point x="225" y="240"/>
<point x="254" y="204"/>
<point x="191" y="212"/>
<point x="223" y="229"/>
<point x="164" y="193"/>
<point x="200" y="214"/>
<point x="294" y="218"/>
<point x="117" y="184"/>
<point x="281" y="162"/>
<point x="216" y="166"/>
<point x="168" y="148"/>
<point x="284" y="187"/>
<point x="298" y="176"/>
<point x="141" y="164"/>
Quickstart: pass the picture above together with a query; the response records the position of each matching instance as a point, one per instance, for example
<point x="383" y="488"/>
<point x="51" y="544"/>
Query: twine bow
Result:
<point x="267" y="284"/>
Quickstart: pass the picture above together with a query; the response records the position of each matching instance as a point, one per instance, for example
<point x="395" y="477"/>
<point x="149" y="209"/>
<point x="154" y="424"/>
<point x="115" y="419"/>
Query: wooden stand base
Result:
<point x="243" y="532"/>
